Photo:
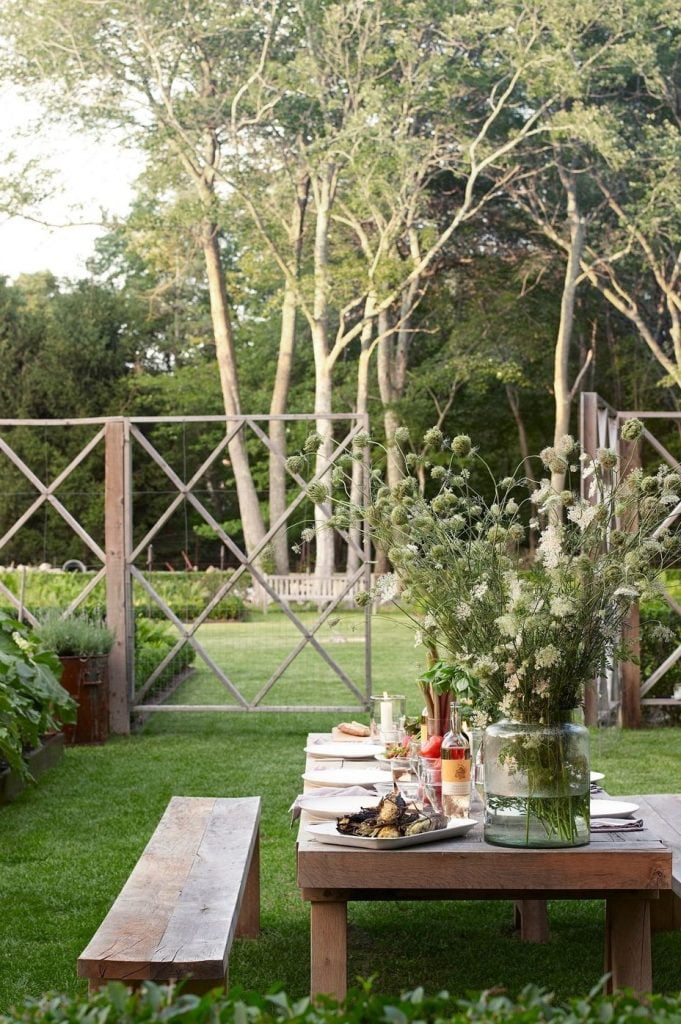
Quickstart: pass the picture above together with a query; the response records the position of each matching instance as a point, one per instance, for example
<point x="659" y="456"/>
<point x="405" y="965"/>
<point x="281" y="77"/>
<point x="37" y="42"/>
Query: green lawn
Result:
<point x="67" y="846"/>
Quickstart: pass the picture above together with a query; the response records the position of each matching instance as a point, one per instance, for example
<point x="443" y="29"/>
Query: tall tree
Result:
<point x="168" y="76"/>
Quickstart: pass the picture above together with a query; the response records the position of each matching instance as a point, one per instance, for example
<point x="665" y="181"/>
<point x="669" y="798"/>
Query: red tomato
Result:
<point x="431" y="748"/>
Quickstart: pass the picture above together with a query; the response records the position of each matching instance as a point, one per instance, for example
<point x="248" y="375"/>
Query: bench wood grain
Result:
<point x="194" y="888"/>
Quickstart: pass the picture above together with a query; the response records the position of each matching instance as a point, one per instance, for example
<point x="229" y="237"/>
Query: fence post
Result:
<point x="118" y="604"/>
<point x="588" y="435"/>
<point x="630" y="672"/>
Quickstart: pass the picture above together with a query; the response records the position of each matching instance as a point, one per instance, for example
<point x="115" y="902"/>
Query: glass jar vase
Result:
<point x="537" y="789"/>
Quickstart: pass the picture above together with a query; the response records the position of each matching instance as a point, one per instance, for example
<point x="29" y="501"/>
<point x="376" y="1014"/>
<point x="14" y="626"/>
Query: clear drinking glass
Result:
<point x="432" y="786"/>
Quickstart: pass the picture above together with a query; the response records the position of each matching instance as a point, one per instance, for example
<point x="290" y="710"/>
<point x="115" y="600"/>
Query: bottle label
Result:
<point x="456" y="772"/>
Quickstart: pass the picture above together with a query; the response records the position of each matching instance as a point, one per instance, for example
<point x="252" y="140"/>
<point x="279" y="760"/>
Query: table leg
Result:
<point x="627" y="943"/>
<point x="328" y="949"/>
<point x="666" y="912"/>
<point x="532" y="920"/>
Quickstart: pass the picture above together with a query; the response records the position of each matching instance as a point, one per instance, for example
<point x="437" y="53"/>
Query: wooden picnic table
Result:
<point x="626" y="869"/>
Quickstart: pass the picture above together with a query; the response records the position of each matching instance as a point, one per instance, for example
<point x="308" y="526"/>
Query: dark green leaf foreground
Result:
<point x="362" y="1006"/>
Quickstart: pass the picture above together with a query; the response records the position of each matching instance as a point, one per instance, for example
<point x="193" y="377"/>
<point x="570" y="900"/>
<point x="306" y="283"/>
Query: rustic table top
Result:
<point x="615" y="862"/>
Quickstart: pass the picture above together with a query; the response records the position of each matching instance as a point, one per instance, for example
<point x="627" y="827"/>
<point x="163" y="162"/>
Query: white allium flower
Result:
<point x="547" y="657"/>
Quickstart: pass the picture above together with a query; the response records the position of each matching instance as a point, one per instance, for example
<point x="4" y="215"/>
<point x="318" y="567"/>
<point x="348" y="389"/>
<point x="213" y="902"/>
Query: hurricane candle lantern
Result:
<point x="387" y="716"/>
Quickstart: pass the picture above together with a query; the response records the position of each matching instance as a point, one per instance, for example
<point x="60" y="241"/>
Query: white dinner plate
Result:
<point x="345" y="751"/>
<point x="596" y="776"/>
<point x="344" y="776"/>
<point x="326" y="832"/>
<point x="612" y="809"/>
<point x="333" y="807"/>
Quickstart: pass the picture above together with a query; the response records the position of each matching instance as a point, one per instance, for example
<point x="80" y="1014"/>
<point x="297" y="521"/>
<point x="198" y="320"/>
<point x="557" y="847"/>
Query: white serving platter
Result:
<point x="333" y="807"/>
<point x="326" y="832"/>
<point x="345" y="751"/>
<point x="351" y="775"/>
<point x="596" y="776"/>
<point x="612" y="809"/>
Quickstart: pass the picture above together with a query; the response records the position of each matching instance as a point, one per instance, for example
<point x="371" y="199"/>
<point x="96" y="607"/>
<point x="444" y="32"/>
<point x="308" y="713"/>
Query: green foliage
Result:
<point x="155" y="1003"/>
<point x="153" y="641"/>
<point x="31" y="700"/>
<point x="75" y="635"/>
<point x="186" y="593"/>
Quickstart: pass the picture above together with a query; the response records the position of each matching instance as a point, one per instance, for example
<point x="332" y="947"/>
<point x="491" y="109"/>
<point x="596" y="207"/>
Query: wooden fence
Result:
<point x="122" y="440"/>
<point x="620" y="692"/>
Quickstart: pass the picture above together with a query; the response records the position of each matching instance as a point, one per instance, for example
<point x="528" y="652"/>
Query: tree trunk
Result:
<point x="514" y="404"/>
<point x="249" y="506"/>
<point x="390" y="392"/>
<point x="325" y="560"/>
<point x="282" y="383"/>
<point x="361" y="408"/>
<point x="561" y="383"/>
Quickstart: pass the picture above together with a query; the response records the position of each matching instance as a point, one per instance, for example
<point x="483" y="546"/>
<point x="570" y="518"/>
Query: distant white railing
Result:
<point x="299" y="587"/>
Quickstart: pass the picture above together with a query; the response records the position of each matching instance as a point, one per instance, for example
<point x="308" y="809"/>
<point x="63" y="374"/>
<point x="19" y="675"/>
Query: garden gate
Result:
<point x="117" y="555"/>
<point x="620" y="692"/>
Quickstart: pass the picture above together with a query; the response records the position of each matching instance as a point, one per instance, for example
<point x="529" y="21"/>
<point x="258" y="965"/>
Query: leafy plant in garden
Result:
<point x="153" y="641"/>
<point x="32" y="702"/>
<point x="75" y="635"/>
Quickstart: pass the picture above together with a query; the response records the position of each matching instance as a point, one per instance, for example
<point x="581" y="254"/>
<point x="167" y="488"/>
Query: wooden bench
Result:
<point x="662" y="813"/>
<point x="195" y="887"/>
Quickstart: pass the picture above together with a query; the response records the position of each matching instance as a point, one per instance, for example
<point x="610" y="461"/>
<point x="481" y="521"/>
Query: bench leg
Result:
<point x="627" y="944"/>
<point x="532" y="920"/>
<point x="328" y="949"/>
<point x="666" y="913"/>
<point x="248" y="924"/>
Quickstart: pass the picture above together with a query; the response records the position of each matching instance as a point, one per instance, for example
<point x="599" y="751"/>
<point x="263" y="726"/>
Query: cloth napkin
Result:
<point x="303" y="799"/>
<point x="617" y="825"/>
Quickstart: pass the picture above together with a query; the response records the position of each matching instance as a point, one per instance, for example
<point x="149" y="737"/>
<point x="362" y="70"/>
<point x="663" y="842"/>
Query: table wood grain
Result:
<point x="628" y="870"/>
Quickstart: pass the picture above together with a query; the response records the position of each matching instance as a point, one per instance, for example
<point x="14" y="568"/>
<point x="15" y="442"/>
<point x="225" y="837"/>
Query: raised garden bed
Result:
<point x="39" y="760"/>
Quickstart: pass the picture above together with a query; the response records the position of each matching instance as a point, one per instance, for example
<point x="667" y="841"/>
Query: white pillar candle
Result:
<point x="386" y="714"/>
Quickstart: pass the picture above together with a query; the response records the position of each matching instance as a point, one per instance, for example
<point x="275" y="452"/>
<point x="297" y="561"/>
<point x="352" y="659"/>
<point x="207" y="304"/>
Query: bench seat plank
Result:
<point x="177" y="914"/>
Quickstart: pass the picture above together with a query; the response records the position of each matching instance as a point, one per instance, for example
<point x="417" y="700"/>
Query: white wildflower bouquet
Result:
<point x="531" y="632"/>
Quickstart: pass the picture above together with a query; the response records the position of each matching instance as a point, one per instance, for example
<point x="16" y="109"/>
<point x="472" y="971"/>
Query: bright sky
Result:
<point x="89" y="175"/>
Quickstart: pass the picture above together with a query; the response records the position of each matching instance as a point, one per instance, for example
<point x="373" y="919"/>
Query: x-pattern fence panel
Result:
<point x="121" y="440"/>
<point x="620" y="689"/>
<point x="248" y="565"/>
<point x="46" y="496"/>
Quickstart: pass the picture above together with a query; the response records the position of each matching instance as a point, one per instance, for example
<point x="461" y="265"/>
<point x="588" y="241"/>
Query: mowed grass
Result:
<point x="67" y="846"/>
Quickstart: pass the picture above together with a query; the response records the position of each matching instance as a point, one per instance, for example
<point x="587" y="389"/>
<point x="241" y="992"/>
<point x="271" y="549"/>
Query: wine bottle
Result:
<point x="456" y="768"/>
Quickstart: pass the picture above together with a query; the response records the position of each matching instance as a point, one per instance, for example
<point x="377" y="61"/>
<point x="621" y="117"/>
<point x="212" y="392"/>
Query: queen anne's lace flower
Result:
<point x="583" y="514"/>
<point x="547" y="657"/>
<point x="550" y="546"/>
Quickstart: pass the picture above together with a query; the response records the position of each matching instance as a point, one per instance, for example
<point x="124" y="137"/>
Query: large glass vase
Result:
<point x="537" y="787"/>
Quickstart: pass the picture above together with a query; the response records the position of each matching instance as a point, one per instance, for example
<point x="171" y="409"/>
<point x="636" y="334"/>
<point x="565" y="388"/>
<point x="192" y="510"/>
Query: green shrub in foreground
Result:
<point x="362" y="1006"/>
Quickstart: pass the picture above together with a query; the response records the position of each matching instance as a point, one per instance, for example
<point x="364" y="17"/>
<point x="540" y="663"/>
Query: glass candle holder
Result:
<point x="387" y="716"/>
